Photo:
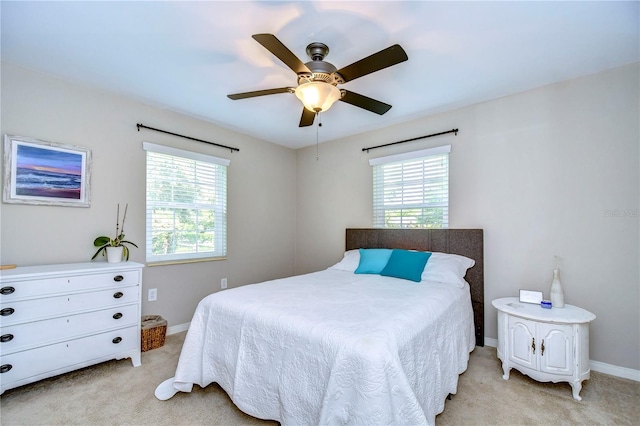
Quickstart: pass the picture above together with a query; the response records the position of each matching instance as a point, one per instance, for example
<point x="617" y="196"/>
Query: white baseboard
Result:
<point x="600" y="367"/>
<point x="177" y="328"/>
<point x="614" y="370"/>
<point x="488" y="341"/>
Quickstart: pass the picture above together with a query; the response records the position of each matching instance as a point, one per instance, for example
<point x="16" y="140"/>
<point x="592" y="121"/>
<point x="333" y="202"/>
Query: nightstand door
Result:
<point x="557" y="355"/>
<point x="523" y="345"/>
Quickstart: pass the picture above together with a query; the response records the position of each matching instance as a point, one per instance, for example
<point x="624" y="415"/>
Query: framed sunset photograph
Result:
<point x="46" y="173"/>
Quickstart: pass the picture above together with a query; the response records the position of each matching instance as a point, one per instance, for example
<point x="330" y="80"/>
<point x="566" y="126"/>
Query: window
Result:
<point x="186" y="205"/>
<point x="411" y="190"/>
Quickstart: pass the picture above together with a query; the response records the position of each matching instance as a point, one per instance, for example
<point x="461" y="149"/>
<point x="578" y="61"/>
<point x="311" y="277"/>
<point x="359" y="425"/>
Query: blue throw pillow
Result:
<point x="372" y="261"/>
<point x="406" y="264"/>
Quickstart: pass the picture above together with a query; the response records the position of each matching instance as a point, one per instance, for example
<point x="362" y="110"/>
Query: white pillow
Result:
<point x="441" y="267"/>
<point x="349" y="262"/>
<point x="447" y="268"/>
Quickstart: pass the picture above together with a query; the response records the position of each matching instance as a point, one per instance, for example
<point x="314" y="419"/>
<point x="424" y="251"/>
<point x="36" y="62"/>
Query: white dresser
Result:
<point x="548" y="345"/>
<point x="58" y="318"/>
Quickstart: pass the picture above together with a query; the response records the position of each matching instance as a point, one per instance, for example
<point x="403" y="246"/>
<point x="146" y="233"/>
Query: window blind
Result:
<point x="186" y="212"/>
<point x="411" y="190"/>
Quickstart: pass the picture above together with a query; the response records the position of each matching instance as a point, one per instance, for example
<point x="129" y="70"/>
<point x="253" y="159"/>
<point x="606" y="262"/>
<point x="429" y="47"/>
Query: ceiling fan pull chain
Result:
<point x="317" y="128"/>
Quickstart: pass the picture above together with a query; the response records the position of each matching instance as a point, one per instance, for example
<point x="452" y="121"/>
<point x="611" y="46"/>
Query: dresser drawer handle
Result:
<point x="5" y="367"/>
<point x="117" y="340"/>
<point x="118" y="278"/>
<point x="6" y="338"/>
<point x="118" y="295"/>
<point x="7" y="311"/>
<point x="117" y="315"/>
<point x="7" y="290"/>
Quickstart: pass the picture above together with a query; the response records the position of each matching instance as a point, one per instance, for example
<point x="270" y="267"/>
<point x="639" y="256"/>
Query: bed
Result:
<point x="338" y="347"/>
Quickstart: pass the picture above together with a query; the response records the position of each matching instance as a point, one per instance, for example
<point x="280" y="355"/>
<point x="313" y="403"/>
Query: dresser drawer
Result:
<point x="23" y="289"/>
<point x="31" y="310"/>
<point x="25" y="364"/>
<point x="39" y="333"/>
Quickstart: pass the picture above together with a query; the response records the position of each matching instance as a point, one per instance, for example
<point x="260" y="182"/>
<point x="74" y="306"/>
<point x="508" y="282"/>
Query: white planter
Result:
<point x="114" y="254"/>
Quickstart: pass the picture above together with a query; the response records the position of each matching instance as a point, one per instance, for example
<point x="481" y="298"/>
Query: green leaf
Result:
<point x="101" y="241"/>
<point x="103" y="248"/>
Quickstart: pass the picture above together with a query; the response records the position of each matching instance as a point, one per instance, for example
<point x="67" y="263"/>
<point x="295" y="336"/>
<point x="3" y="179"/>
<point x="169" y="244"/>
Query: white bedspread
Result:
<point x="332" y="347"/>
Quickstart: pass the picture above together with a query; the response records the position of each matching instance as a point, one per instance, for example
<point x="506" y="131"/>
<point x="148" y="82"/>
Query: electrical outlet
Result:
<point x="223" y="283"/>
<point x="153" y="295"/>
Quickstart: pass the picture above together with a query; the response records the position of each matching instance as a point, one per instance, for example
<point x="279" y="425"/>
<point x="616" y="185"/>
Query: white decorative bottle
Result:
<point x="556" y="294"/>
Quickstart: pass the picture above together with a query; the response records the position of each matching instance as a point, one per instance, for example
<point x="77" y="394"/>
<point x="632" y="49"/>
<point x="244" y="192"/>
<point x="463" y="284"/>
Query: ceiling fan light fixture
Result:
<point x="317" y="95"/>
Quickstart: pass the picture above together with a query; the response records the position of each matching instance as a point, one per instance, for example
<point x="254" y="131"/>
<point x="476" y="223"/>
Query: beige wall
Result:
<point x="537" y="171"/>
<point x="261" y="190"/>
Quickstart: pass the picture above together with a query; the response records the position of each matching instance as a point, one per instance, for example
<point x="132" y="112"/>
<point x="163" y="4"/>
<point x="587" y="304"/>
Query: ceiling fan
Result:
<point x="318" y="80"/>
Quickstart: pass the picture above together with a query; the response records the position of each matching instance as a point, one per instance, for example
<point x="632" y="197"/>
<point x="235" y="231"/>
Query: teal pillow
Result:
<point x="372" y="261"/>
<point x="406" y="264"/>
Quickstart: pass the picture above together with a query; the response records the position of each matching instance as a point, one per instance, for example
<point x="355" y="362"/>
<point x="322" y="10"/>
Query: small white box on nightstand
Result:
<point x="530" y="296"/>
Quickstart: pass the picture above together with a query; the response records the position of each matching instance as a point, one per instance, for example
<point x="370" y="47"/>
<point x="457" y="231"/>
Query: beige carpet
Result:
<point x="115" y="393"/>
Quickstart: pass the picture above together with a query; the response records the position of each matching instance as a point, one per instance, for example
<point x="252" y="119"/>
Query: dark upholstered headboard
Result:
<point x="465" y="242"/>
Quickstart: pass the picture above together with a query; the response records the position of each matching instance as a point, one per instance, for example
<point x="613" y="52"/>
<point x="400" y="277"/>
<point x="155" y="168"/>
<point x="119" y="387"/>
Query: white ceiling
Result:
<point x="187" y="56"/>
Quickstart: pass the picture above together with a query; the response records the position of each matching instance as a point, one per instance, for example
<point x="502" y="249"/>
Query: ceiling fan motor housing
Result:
<point x="321" y="70"/>
<point x="317" y="75"/>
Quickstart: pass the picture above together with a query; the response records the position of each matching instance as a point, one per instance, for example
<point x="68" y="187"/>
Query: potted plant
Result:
<point x="114" y="248"/>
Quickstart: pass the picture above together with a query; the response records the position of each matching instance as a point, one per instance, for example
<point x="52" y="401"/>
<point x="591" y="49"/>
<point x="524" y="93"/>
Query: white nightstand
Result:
<point x="548" y="345"/>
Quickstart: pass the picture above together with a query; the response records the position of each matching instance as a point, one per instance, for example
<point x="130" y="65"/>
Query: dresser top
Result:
<point x="26" y="272"/>
<point x="569" y="314"/>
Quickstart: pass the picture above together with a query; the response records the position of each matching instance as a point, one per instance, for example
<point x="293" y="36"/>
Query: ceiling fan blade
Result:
<point x="385" y="58"/>
<point x="307" y="117"/>
<point x="275" y="46"/>
<point x="245" y="95"/>
<point x="364" y="102"/>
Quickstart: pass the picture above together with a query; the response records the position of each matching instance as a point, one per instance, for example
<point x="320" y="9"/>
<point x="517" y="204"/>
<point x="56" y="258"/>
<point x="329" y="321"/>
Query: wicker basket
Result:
<point x="154" y="329"/>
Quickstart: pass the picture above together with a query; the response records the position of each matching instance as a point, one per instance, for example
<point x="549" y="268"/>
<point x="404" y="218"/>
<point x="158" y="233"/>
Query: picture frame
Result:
<point x="46" y="173"/>
<point x="530" y="296"/>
